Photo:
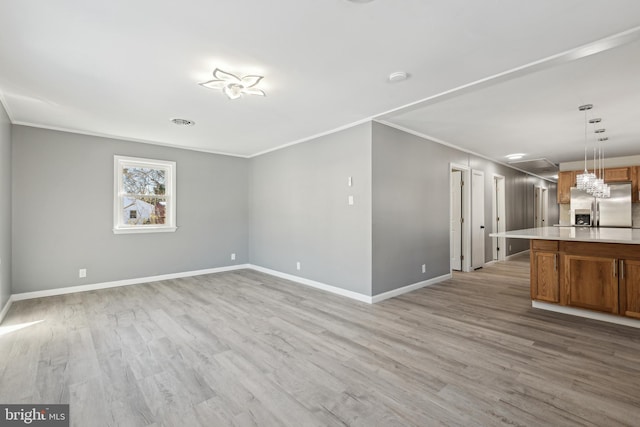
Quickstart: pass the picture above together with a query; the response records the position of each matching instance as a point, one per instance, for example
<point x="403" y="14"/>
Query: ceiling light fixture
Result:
<point x="589" y="181"/>
<point x="233" y="86"/>
<point x="585" y="180"/>
<point x="398" y="76"/>
<point x="515" y="156"/>
<point x="183" y="122"/>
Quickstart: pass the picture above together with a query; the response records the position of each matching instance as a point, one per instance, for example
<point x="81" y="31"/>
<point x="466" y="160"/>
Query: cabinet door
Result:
<point x="617" y="174"/>
<point x="635" y="184"/>
<point x="544" y="283"/>
<point x="566" y="180"/>
<point x="591" y="282"/>
<point x="630" y="288"/>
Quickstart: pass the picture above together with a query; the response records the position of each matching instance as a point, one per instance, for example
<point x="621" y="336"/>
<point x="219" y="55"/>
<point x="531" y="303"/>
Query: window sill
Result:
<point x="136" y="230"/>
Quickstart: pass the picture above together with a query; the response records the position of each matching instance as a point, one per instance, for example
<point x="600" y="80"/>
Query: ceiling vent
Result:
<point x="541" y="167"/>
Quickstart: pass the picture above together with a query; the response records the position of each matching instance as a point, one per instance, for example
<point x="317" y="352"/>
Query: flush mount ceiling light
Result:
<point x="233" y="86"/>
<point x="183" y="122"/>
<point x="515" y="156"/>
<point x="398" y="76"/>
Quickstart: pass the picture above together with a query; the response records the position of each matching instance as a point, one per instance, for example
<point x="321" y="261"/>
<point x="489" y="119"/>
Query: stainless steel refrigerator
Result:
<point x="615" y="211"/>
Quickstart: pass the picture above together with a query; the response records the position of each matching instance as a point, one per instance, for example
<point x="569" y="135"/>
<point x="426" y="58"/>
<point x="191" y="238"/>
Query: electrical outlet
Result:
<point x="233" y="257"/>
<point x="82" y="273"/>
<point x="298" y="265"/>
<point x="424" y="268"/>
<point x="350" y="200"/>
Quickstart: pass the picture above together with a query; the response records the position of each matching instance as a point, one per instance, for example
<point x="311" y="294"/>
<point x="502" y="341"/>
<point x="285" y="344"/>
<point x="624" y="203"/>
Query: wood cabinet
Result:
<point x="635" y="184"/>
<point x="566" y="180"/>
<point x="591" y="282"/>
<point x="630" y="288"/>
<point x="617" y="174"/>
<point x="545" y="277"/>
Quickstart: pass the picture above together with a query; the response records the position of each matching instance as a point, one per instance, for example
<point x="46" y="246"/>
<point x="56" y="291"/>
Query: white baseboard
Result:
<point x="6" y="308"/>
<point x="619" y="320"/>
<point x="403" y="290"/>
<point x="126" y="282"/>
<point x="301" y="280"/>
<point x="516" y="254"/>
<point x="318" y="285"/>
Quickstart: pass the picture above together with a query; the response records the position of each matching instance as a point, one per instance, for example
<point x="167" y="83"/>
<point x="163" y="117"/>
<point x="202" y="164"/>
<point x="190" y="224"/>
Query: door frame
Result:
<point x="478" y="215"/>
<point x="466" y="214"/>
<point x="499" y="210"/>
<point x="540" y="206"/>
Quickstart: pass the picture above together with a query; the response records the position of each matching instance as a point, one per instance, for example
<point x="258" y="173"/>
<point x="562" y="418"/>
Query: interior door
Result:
<point x="456" y="220"/>
<point x="499" y="220"/>
<point x="477" y="219"/>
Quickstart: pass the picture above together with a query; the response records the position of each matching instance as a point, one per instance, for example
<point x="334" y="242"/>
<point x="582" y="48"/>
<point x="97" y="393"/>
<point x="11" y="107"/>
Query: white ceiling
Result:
<point x="124" y="68"/>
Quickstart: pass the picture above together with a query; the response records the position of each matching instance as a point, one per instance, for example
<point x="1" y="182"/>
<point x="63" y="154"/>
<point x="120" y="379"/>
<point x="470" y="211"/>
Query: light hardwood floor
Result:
<point x="245" y="348"/>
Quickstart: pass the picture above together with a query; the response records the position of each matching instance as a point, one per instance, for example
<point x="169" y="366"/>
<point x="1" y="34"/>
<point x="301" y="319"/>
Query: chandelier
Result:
<point x="593" y="182"/>
<point x="233" y="86"/>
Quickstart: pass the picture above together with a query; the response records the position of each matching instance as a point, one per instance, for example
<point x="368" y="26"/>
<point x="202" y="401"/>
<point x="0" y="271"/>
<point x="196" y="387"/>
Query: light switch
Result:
<point x="350" y="182"/>
<point x="350" y="200"/>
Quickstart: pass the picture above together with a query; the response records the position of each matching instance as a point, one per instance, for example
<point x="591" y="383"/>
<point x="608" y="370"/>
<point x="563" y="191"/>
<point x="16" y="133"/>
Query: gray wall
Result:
<point x="5" y="207"/>
<point x="411" y="206"/>
<point x="299" y="211"/>
<point x="63" y="212"/>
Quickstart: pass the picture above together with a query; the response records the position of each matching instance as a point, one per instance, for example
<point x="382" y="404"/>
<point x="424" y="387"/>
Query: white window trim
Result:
<point x="121" y="161"/>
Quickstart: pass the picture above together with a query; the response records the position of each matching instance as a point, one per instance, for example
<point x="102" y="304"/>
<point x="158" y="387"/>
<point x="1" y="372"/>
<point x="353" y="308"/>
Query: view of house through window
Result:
<point x="144" y="195"/>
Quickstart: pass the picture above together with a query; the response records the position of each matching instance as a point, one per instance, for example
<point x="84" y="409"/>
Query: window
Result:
<point x="144" y="195"/>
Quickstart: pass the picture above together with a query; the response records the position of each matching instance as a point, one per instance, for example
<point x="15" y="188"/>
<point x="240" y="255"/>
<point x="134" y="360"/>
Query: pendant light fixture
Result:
<point x="585" y="180"/>
<point x="593" y="182"/>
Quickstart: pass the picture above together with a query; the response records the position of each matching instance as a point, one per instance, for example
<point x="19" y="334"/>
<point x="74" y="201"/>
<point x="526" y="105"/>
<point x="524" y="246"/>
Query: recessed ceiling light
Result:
<point x="183" y="122"/>
<point x="515" y="156"/>
<point x="398" y="76"/>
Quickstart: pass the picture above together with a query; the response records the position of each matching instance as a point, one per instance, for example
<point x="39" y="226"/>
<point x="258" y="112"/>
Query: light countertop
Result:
<point x="629" y="236"/>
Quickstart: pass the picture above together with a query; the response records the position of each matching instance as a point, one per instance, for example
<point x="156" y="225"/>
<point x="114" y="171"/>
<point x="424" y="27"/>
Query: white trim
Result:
<point x="6" y="308"/>
<point x="603" y="317"/>
<point x="409" y="288"/>
<point x="312" y="137"/>
<point x="312" y="283"/>
<point x="466" y="214"/>
<point x="123" y="138"/>
<point x="455" y="147"/>
<point x="516" y="254"/>
<point x="126" y="282"/>
<point x="169" y="167"/>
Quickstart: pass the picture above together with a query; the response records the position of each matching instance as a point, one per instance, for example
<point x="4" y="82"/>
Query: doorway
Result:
<point x="540" y="206"/>
<point x="460" y="208"/>
<point x="477" y="219"/>
<point x="499" y="221"/>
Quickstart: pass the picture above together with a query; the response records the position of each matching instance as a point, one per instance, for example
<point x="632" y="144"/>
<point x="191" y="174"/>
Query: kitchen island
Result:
<point x="585" y="271"/>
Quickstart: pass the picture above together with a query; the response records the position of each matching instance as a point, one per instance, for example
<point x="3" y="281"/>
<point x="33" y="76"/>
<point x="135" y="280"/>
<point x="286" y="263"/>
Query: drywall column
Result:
<point x="5" y="207"/>
<point x="300" y="211"/>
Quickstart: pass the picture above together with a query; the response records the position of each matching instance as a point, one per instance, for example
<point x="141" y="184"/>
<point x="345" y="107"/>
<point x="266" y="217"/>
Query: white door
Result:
<point x="544" y="206"/>
<point x="499" y="218"/>
<point x="456" y="220"/>
<point x="540" y="206"/>
<point x="477" y="219"/>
